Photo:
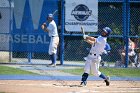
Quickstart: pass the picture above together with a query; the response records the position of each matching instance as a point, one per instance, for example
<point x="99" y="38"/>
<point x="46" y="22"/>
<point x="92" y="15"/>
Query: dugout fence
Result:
<point x="20" y="22"/>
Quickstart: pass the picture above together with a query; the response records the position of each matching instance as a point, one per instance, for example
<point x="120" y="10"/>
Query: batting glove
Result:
<point x="85" y="36"/>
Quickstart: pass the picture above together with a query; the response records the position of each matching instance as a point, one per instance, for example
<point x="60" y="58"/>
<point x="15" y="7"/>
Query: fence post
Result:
<point x="126" y="27"/>
<point x="10" y="30"/>
<point x="62" y="34"/>
<point x="29" y="57"/>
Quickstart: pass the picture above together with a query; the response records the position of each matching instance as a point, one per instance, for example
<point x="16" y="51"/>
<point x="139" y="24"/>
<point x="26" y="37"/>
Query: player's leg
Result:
<point x="95" y="69"/>
<point x="86" y="73"/>
<point x="84" y="79"/>
<point x="53" y="50"/>
<point x="50" y="53"/>
<point x="106" y="79"/>
<point x="53" y="58"/>
<point x="96" y="72"/>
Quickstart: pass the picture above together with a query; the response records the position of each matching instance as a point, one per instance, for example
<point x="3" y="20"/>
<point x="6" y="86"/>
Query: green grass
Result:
<point x="131" y="72"/>
<point x="5" y="70"/>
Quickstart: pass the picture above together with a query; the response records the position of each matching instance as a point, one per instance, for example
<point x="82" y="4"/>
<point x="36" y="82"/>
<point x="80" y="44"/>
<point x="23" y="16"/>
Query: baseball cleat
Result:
<point x="136" y="64"/>
<point x="83" y="83"/>
<point x="107" y="81"/>
<point x="52" y="65"/>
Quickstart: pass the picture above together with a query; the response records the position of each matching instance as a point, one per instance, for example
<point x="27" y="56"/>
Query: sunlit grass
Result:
<point x="4" y="70"/>
<point x="131" y="72"/>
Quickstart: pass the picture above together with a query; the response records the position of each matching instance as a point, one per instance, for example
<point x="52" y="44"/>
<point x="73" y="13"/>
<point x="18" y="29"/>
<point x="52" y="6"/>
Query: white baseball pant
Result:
<point x="53" y="45"/>
<point x="92" y="64"/>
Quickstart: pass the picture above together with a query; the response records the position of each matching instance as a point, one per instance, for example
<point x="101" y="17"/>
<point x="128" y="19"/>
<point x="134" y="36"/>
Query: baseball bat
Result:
<point x="82" y="30"/>
<point x="54" y="13"/>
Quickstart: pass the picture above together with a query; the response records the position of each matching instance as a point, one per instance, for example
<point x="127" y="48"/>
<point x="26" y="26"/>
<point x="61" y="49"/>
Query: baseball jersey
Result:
<point x="99" y="45"/>
<point x="52" y="29"/>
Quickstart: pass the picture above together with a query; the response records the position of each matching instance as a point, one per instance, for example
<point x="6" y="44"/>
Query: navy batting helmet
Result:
<point x="50" y="15"/>
<point x="107" y="30"/>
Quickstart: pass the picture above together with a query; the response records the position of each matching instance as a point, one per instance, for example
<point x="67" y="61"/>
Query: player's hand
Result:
<point x="85" y="36"/>
<point x="43" y="26"/>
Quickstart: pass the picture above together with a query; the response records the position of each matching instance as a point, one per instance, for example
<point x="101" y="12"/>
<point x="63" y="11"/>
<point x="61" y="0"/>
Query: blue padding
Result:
<point x="22" y="37"/>
<point x="39" y="77"/>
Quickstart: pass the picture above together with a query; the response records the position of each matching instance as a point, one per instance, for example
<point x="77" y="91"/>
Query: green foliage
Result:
<point x="117" y="29"/>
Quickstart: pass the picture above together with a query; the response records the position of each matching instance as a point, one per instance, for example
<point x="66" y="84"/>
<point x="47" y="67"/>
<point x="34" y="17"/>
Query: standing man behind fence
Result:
<point x="51" y="28"/>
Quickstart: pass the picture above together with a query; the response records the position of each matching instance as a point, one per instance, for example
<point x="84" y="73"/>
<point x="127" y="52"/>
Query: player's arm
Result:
<point x="133" y="45"/>
<point x="90" y="40"/>
<point x="44" y="27"/>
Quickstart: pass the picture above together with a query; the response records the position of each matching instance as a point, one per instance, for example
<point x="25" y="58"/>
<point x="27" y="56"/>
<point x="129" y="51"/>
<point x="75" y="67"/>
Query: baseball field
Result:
<point x="16" y="80"/>
<point x="37" y="33"/>
<point x="44" y="86"/>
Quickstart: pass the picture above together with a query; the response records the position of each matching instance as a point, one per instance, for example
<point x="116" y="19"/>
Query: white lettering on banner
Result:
<point x="36" y="11"/>
<point x="18" y="12"/>
<point x="24" y="38"/>
<point x="81" y="13"/>
<point x="36" y="39"/>
<point x="79" y="23"/>
<point x="17" y="38"/>
<point x="2" y="38"/>
<point x="9" y="39"/>
<point x="39" y="39"/>
<point x="45" y="40"/>
<point x="31" y="39"/>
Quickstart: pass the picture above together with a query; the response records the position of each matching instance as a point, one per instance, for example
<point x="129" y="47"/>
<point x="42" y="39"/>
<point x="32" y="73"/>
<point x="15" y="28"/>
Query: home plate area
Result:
<point x="60" y="86"/>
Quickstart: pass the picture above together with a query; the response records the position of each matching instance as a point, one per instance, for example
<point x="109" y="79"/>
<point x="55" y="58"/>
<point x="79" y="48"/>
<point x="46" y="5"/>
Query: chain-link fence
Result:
<point x="111" y="15"/>
<point x="27" y="18"/>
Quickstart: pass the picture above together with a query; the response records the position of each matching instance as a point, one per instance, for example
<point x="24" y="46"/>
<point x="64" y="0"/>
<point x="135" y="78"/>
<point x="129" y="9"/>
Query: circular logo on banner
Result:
<point x="81" y="12"/>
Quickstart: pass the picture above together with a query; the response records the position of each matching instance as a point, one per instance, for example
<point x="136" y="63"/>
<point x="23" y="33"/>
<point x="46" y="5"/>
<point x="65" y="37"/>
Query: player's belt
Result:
<point x="94" y="54"/>
<point x="54" y="36"/>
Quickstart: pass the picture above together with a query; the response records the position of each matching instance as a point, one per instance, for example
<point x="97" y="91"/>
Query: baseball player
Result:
<point x="94" y="57"/>
<point x="51" y="28"/>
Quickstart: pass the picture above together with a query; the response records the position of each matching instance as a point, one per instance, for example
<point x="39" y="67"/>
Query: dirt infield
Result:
<point x="42" y="86"/>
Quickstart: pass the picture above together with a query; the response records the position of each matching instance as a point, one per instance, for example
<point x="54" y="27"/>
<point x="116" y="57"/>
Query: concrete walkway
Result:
<point x="44" y="69"/>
